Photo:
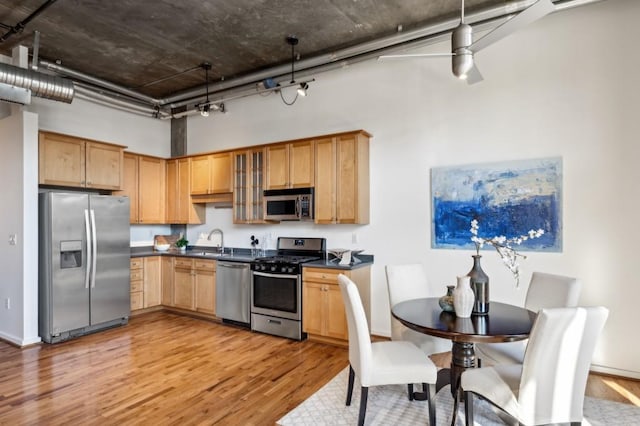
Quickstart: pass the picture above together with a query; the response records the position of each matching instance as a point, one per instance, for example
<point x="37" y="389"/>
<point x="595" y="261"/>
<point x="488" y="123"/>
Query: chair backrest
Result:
<point x="360" y="352"/>
<point x="552" y="291"/>
<point x="556" y="364"/>
<point x="404" y="282"/>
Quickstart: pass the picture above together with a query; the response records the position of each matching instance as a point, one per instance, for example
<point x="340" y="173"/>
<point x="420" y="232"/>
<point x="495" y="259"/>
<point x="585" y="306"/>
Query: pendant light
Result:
<point x="204" y="108"/>
<point x="302" y="88"/>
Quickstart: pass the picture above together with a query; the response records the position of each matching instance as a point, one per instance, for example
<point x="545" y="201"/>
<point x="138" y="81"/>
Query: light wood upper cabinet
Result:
<point x="130" y="184"/>
<point x="212" y="174"/>
<point x="290" y="165"/>
<point x="144" y="184"/>
<point x="75" y="162"/>
<point x="342" y="179"/>
<point x="180" y="208"/>
<point x="151" y="194"/>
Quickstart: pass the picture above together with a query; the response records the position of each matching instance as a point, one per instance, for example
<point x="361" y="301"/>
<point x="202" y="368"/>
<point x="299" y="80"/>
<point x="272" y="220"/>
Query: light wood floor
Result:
<point x="169" y="369"/>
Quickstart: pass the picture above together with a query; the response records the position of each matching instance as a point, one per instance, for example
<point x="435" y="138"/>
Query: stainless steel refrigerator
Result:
<point x="83" y="264"/>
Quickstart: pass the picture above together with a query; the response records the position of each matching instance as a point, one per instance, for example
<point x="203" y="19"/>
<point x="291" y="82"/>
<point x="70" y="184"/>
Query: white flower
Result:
<point x="503" y="246"/>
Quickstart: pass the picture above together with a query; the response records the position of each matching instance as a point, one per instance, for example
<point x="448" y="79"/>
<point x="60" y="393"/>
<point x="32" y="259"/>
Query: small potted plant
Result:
<point x="182" y="244"/>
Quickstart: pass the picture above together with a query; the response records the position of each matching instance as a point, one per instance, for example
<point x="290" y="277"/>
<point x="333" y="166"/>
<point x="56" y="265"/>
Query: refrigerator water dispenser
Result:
<point x="70" y="254"/>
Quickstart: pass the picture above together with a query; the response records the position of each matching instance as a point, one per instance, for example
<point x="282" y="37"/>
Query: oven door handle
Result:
<point x="268" y="275"/>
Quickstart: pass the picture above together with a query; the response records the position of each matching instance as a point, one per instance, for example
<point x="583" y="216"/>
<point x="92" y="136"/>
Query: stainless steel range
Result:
<point x="276" y="286"/>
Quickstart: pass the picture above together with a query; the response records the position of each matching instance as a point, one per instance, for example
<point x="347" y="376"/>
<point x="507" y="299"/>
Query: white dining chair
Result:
<point x="548" y="387"/>
<point x="405" y="282"/>
<point x="545" y="291"/>
<point x="382" y="363"/>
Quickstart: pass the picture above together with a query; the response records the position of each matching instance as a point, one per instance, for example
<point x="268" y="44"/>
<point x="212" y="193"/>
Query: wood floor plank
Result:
<point x="168" y="369"/>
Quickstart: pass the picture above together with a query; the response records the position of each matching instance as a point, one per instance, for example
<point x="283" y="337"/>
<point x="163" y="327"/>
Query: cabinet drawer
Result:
<point x="136" y="300"/>
<point x="136" y="263"/>
<point x="182" y="262"/>
<point x="207" y="265"/>
<point x="136" y="274"/>
<point x="321" y="275"/>
<point x="136" y="286"/>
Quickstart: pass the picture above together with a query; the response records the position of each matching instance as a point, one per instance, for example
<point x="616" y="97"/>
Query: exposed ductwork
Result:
<point x="40" y="85"/>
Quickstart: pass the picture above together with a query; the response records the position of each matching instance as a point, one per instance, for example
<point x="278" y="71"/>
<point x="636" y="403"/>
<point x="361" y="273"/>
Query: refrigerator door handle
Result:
<point x="88" y="262"/>
<point x="94" y="245"/>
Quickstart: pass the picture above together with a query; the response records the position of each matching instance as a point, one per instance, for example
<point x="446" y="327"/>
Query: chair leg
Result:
<point x="410" y="388"/>
<point x="468" y="408"/>
<point x="352" y="375"/>
<point x="430" y="391"/>
<point x="364" y="392"/>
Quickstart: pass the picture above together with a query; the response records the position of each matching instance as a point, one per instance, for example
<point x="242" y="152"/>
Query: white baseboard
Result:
<point x="18" y="341"/>
<point x="615" y="371"/>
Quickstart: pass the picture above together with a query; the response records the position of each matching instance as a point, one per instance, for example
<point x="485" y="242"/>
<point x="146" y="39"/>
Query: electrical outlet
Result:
<point x="13" y="239"/>
<point x="354" y="238"/>
<point x="7" y="303"/>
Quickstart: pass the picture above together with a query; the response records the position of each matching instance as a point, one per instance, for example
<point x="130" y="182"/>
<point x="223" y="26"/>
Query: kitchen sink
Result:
<point x="211" y="253"/>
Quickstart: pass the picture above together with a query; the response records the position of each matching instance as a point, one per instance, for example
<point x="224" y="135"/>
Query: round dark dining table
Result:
<point x="503" y="323"/>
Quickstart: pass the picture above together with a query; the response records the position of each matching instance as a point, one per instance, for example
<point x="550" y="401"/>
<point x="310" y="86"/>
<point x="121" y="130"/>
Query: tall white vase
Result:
<point x="463" y="297"/>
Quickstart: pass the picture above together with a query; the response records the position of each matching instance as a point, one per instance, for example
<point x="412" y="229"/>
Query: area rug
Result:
<point x="389" y="405"/>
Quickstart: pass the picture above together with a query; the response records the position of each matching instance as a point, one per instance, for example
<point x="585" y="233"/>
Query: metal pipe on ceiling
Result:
<point x="41" y="85"/>
<point x="99" y="82"/>
<point x="90" y="93"/>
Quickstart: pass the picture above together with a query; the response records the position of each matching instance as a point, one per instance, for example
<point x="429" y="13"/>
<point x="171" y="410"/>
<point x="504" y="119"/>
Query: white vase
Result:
<point x="463" y="297"/>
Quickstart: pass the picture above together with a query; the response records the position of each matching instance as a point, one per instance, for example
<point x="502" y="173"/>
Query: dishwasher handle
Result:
<point x="233" y="265"/>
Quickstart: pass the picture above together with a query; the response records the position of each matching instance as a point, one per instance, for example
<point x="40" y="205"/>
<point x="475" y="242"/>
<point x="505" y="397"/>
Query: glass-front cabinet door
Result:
<point x="248" y="186"/>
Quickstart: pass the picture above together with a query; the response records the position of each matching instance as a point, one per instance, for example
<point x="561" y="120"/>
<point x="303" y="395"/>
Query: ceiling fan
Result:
<point x="463" y="47"/>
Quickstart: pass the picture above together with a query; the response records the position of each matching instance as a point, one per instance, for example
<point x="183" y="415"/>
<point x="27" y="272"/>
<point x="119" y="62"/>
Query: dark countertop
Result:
<point x="239" y="255"/>
<point x="365" y="260"/>
<point x="242" y="255"/>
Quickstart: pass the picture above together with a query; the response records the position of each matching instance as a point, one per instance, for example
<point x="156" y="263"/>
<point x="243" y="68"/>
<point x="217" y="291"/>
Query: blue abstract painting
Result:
<point x="507" y="198"/>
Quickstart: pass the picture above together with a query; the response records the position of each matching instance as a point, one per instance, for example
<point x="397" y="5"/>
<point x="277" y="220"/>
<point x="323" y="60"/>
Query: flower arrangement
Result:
<point x="504" y="247"/>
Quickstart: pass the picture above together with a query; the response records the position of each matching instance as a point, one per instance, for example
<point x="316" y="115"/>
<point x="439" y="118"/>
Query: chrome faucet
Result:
<point x="218" y="231"/>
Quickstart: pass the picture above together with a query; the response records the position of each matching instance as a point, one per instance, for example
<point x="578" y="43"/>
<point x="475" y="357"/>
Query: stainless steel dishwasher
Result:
<point x="233" y="292"/>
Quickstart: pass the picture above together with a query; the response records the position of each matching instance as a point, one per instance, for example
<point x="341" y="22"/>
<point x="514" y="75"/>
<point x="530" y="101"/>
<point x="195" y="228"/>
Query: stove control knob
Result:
<point x="273" y="268"/>
<point x="285" y="269"/>
<point x="290" y="269"/>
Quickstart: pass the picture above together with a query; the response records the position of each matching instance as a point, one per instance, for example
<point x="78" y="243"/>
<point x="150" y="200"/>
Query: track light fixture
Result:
<point x="302" y="89"/>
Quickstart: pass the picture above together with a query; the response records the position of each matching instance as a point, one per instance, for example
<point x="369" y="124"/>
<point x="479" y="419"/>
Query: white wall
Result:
<point x="19" y="141"/>
<point x="564" y="86"/>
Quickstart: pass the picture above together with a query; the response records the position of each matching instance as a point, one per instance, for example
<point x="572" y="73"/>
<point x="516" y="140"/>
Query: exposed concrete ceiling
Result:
<point x="155" y="47"/>
<point x="136" y="42"/>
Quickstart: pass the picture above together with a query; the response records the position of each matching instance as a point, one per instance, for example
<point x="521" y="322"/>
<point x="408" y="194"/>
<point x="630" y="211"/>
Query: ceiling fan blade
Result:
<point x="527" y="16"/>
<point x="474" y="76"/>
<point x="415" y="55"/>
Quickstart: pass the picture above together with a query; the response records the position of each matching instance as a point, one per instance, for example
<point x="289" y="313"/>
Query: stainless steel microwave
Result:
<point x="288" y="204"/>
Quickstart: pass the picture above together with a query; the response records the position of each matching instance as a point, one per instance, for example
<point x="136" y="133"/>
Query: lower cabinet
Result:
<point x="183" y="284"/>
<point x="145" y="275"/>
<point x="205" y="285"/>
<point x="324" y="316"/>
<point x="136" y="274"/>
<point x="152" y="281"/>
<point x="167" y="280"/>
<point x="194" y="284"/>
